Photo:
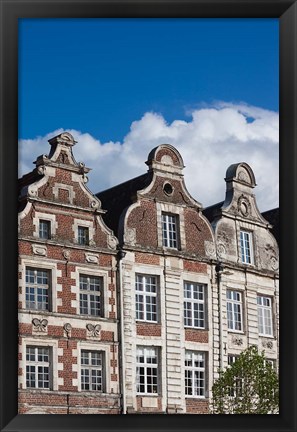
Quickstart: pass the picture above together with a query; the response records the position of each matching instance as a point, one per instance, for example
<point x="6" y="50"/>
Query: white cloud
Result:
<point x="209" y="142"/>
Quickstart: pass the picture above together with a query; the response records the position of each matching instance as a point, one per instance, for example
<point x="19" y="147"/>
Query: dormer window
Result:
<point x="246" y="247"/>
<point x="83" y="235"/>
<point x="44" y="229"/>
<point x="170" y="230"/>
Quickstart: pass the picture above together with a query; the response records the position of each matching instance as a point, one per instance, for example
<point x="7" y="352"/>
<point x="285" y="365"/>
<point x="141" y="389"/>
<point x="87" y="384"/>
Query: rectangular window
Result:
<point x="38" y="367"/>
<point x="236" y="389"/>
<point x="146" y="298"/>
<point x="44" y="229"/>
<point x="234" y="310"/>
<point x="265" y="315"/>
<point x="194" y="305"/>
<point x="170" y="230"/>
<point x="83" y="235"/>
<point x="91" y="370"/>
<point x="91" y="290"/>
<point x="147" y="370"/>
<point x="270" y="362"/>
<point x="37" y="289"/>
<point x="195" y="374"/>
<point x="246" y="247"/>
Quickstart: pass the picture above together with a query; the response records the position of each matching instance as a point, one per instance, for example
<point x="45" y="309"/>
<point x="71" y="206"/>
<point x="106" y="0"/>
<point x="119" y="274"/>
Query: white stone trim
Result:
<point x="44" y="216"/>
<point x="94" y="346"/>
<point x="63" y="186"/>
<point x="91" y="271"/>
<point x="55" y="365"/>
<point x="174" y="210"/>
<point x="54" y="286"/>
<point x="83" y="223"/>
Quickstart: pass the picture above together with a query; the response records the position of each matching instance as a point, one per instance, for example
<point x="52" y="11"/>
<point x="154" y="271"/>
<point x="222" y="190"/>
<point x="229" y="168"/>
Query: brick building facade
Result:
<point x="130" y="300"/>
<point x="68" y="332"/>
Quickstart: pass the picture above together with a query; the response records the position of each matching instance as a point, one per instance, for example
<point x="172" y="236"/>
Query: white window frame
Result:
<point x="37" y="286"/>
<point x="89" y="293"/>
<point x="264" y="313"/>
<point x="85" y="237"/>
<point x="48" y="231"/>
<point x="91" y="367"/>
<point x="149" y="297"/>
<point x="83" y="224"/>
<point x="237" y="389"/>
<point x="54" y="286"/>
<point x="192" y="302"/>
<point x="39" y="364"/>
<point x="45" y="217"/>
<point x="170" y="235"/>
<point x="191" y="370"/>
<point x="246" y="247"/>
<point x="234" y="304"/>
<point x="148" y="352"/>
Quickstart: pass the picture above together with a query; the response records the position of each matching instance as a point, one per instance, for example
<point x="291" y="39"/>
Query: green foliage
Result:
<point x="249" y="386"/>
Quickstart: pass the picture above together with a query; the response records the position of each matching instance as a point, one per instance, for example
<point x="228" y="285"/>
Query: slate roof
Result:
<point x="272" y="216"/>
<point x="213" y="211"/>
<point x="118" y="198"/>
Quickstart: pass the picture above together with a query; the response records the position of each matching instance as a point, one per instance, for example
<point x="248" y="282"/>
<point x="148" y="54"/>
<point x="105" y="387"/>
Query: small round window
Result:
<point x="168" y="189"/>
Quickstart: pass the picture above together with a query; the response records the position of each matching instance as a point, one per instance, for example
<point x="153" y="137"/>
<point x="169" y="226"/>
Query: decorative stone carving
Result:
<point x="267" y="343"/>
<point x="94" y="330"/>
<point x="112" y="242"/>
<point x="66" y="254"/>
<point x="39" y="250"/>
<point x="274" y="263"/>
<point x="91" y="258"/>
<point x="39" y="325"/>
<point x="32" y="192"/>
<point x="243" y="176"/>
<point x="221" y="250"/>
<point x="167" y="160"/>
<point x="236" y="340"/>
<point x="94" y="204"/>
<point x="41" y="170"/>
<point x="210" y="249"/>
<point x="67" y="328"/>
<point x="130" y="236"/>
<point x="243" y="206"/>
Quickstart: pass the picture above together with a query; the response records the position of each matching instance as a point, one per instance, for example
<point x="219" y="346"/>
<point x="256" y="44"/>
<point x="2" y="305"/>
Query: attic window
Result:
<point x="168" y="189"/>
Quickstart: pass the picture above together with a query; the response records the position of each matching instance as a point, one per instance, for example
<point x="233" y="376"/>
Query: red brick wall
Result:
<point x="63" y="403"/>
<point x="197" y="406"/>
<point x="197" y="231"/>
<point x="195" y="335"/>
<point x="147" y="258"/>
<point x="148" y="329"/>
<point x="144" y="219"/>
<point x="194" y="266"/>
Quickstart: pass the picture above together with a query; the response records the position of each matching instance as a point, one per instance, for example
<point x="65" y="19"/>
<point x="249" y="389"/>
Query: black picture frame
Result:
<point x="11" y="11"/>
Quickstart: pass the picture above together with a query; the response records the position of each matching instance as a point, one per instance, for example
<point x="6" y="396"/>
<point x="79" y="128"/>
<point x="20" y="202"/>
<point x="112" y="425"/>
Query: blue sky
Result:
<point x="103" y="78"/>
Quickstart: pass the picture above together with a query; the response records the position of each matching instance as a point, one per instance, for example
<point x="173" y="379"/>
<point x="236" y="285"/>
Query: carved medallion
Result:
<point x="67" y="328"/>
<point x="243" y="206"/>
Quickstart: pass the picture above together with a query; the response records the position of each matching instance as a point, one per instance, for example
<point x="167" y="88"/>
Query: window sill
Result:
<point x="196" y="328"/>
<point x="241" y="332"/>
<point x="267" y="336"/>
<point x="146" y="321"/>
<point x="196" y="397"/>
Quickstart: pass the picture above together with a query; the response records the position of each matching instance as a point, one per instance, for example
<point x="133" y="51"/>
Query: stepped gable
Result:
<point x="58" y="177"/>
